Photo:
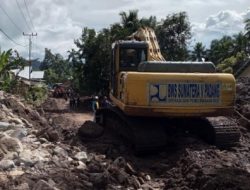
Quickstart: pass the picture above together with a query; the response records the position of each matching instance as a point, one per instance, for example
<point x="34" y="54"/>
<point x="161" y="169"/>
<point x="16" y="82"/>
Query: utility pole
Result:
<point x="30" y="44"/>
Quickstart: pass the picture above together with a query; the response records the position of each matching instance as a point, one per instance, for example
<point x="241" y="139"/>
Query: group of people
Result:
<point x="99" y="102"/>
<point x="74" y="98"/>
<point x="74" y="101"/>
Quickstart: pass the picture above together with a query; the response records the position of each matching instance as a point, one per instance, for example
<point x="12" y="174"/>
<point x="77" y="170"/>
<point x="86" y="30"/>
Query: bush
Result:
<point x="37" y="94"/>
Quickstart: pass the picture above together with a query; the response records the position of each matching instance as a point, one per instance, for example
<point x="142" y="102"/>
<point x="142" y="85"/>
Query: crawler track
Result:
<point x="148" y="134"/>
<point x="225" y="132"/>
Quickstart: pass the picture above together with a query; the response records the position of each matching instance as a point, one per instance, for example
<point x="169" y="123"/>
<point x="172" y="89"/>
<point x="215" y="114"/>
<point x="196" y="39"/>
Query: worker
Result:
<point x="95" y="104"/>
<point x="105" y="102"/>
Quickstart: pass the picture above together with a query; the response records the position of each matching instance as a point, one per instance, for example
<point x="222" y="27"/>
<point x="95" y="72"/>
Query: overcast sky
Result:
<point x="59" y="22"/>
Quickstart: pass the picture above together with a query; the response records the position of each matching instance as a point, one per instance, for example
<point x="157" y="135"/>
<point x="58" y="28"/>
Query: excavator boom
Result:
<point x="147" y="34"/>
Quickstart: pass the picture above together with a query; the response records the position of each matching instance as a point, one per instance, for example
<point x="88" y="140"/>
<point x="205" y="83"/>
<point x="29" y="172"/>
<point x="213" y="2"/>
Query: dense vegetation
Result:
<point x="9" y="60"/>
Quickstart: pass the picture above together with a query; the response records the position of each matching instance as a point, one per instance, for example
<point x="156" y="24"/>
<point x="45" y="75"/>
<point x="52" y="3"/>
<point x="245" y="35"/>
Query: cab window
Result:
<point x="130" y="58"/>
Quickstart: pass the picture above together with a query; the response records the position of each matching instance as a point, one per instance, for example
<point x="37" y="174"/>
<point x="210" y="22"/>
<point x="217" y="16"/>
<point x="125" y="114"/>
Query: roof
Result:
<point x="25" y="73"/>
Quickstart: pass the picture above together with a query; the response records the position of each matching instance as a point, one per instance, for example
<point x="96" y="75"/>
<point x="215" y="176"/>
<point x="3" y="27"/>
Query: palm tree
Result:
<point x="130" y="21"/>
<point x="199" y="52"/>
<point x="240" y="43"/>
<point x="150" y="22"/>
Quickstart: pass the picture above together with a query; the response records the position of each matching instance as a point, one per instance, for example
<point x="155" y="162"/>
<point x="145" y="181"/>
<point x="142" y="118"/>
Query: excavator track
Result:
<point x="142" y="134"/>
<point x="225" y="131"/>
<point x="149" y="134"/>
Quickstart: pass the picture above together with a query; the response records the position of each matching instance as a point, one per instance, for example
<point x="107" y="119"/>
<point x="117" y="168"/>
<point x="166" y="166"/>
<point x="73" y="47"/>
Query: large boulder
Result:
<point x="90" y="129"/>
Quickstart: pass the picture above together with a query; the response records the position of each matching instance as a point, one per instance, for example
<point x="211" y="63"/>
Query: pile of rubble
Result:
<point x="243" y="101"/>
<point x="33" y="155"/>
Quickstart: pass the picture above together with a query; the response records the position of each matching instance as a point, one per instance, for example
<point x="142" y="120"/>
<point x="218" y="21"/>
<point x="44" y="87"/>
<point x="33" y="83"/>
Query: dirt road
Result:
<point x="189" y="164"/>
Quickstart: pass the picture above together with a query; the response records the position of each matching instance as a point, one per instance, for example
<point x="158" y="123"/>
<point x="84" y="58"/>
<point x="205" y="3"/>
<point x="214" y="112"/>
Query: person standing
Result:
<point x="95" y="104"/>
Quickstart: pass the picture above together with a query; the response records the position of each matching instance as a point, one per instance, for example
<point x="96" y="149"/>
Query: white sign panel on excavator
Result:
<point x="184" y="93"/>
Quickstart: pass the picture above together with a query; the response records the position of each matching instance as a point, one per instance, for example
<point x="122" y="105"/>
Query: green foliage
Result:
<point x="92" y="75"/>
<point x="199" y="52"/>
<point x="228" y="64"/>
<point x="172" y="35"/>
<point x="36" y="94"/>
<point x="8" y="62"/>
<point x="57" y="69"/>
<point x="221" y="49"/>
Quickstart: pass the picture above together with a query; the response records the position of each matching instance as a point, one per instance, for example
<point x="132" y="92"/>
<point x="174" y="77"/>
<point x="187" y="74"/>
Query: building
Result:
<point x="24" y="74"/>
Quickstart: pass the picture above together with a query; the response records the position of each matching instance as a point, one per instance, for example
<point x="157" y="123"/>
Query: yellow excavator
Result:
<point x="149" y="94"/>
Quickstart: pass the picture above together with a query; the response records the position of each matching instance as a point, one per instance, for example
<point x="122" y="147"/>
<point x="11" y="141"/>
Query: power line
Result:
<point x="19" y="7"/>
<point x="11" y="19"/>
<point x="11" y="38"/>
<point x="29" y="15"/>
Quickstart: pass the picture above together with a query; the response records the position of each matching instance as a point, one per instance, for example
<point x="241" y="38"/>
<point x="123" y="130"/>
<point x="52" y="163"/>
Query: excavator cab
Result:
<point x="127" y="55"/>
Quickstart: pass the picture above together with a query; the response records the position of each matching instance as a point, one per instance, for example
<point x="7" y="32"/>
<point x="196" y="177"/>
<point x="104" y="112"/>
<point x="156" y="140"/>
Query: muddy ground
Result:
<point x="62" y="159"/>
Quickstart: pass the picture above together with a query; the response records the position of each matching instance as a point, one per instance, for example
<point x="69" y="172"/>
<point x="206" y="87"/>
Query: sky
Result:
<point x="58" y="23"/>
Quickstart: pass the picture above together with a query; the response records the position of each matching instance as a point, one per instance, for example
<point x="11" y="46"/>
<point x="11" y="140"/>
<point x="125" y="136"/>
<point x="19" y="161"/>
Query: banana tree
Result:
<point x="8" y="62"/>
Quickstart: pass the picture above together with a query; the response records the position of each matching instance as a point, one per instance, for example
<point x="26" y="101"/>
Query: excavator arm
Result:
<point x="148" y="35"/>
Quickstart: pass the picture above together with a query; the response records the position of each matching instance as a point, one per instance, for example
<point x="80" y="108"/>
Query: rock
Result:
<point x="130" y="169"/>
<point x="28" y="124"/>
<point x="51" y="182"/>
<point x="248" y="168"/>
<point x="2" y="115"/>
<point x="120" y="162"/>
<point x="135" y="182"/>
<point x="90" y="129"/>
<point x="16" y="121"/>
<point x="53" y="135"/>
<point x="10" y="144"/>
<point x="6" y="164"/>
<point x="70" y="159"/>
<point x="141" y="180"/>
<point x="147" y="177"/>
<point x="11" y="155"/>
<point x="43" y="185"/>
<point x="43" y="140"/>
<point x="100" y="180"/>
<point x="19" y="133"/>
<point x="4" y="126"/>
<point x="148" y="187"/>
<point x="15" y="173"/>
<point x="30" y="158"/>
<point x="60" y="152"/>
<point x="82" y="156"/>
<point x="122" y="176"/>
<point x="81" y="166"/>
<point x="3" y="177"/>
<point x="22" y="186"/>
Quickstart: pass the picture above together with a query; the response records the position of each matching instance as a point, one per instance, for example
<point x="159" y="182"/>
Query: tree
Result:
<point x="221" y="49"/>
<point x="229" y="64"/>
<point x="247" y="34"/>
<point x="9" y="61"/>
<point x="239" y="43"/>
<point x="91" y="76"/>
<point x="130" y="21"/>
<point x="149" y="22"/>
<point x="57" y="69"/>
<point x="199" y="52"/>
<point x="173" y="34"/>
